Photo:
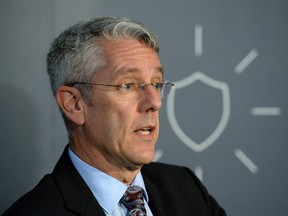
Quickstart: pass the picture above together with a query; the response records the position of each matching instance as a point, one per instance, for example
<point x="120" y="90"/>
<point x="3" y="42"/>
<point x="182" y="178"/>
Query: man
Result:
<point x="108" y="81"/>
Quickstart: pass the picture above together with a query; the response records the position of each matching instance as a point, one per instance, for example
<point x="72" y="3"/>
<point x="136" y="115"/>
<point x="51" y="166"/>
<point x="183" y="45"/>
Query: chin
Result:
<point x="141" y="156"/>
<point x="145" y="159"/>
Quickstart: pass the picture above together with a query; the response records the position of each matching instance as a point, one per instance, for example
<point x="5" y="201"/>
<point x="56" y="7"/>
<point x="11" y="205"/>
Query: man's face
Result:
<point x="125" y="130"/>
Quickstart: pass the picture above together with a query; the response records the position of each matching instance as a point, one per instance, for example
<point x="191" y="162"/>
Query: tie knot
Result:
<point x="133" y="201"/>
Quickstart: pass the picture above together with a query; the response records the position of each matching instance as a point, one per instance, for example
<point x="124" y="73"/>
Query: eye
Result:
<point x="157" y="86"/>
<point x="127" y="86"/>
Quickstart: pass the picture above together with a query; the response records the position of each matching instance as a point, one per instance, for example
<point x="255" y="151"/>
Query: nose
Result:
<point x="150" y="99"/>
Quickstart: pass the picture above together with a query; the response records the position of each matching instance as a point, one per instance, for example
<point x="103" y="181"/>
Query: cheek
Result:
<point x="113" y="119"/>
<point x="118" y="120"/>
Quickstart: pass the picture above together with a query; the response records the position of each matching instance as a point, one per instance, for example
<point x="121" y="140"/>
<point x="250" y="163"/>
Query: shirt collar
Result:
<point x="107" y="190"/>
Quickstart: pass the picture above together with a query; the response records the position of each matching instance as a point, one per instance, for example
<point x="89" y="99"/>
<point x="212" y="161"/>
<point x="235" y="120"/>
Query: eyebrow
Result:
<point x="126" y="70"/>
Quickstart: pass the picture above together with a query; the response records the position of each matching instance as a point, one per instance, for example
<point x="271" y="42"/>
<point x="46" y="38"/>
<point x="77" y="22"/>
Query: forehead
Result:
<point x="129" y="56"/>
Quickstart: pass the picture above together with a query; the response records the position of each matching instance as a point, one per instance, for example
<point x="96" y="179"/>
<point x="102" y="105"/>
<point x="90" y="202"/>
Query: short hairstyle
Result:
<point x="76" y="54"/>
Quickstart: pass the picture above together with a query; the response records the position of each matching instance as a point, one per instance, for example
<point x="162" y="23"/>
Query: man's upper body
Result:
<point x="107" y="78"/>
<point x="172" y="191"/>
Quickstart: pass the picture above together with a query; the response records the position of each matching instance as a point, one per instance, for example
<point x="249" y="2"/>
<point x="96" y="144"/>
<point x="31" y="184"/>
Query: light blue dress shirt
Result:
<point x="107" y="190"/>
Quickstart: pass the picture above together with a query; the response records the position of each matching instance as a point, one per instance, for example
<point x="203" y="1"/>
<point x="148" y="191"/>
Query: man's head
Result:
<point x="77" y="54"/>
<point x="108" y="81"/>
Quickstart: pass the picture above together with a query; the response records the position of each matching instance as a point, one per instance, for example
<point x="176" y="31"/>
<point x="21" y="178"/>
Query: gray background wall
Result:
<point x="244" y="51"/>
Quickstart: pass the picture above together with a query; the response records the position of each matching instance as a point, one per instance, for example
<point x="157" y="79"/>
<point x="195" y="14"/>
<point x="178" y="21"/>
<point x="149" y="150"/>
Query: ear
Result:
<point x="71" y="104"/>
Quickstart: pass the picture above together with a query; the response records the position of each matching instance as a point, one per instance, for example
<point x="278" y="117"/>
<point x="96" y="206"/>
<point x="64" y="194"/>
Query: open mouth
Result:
<point x="145" y="130"/>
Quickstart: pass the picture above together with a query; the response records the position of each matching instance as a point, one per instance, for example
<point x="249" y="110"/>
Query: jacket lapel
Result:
<point x="76" y="194"/>
<point x="158" y="197"/>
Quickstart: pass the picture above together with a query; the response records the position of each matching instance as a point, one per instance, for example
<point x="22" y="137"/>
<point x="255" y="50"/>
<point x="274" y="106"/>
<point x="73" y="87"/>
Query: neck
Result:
<point x="92" y="156"/>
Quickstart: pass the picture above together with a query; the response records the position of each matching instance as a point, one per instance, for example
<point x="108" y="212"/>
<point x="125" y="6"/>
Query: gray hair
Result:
<point x="76" y="55"/>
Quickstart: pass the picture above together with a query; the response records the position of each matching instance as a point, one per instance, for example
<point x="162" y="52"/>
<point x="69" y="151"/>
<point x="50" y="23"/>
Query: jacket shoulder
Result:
<point x="43" y="199"/>
<point x="179" y="182"/>
<point x="162" y="170"/>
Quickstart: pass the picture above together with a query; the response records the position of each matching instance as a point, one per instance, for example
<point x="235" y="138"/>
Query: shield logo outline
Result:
<point x="199" y="76"/>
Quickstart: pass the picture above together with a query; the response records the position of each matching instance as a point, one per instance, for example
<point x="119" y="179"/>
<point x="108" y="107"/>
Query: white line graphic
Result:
<point x="266" y="111"/>
<point x="246" y="61"/>
<point x="199" y="172"/>
<point x="199" y="76"/>
<point x="198" y="40"/>
<point x="246" y="161"/>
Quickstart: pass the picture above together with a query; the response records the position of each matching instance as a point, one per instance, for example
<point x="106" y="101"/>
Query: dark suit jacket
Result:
<point x="172" y="190"/>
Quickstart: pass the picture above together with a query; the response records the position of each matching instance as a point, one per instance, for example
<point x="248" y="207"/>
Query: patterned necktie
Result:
<point x="133" y="201"/>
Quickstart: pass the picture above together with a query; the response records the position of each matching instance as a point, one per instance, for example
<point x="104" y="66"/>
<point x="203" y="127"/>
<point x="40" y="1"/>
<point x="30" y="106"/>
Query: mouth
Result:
<point x="145" y="130"/>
